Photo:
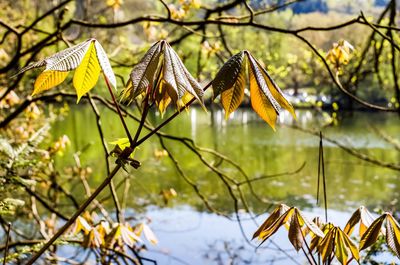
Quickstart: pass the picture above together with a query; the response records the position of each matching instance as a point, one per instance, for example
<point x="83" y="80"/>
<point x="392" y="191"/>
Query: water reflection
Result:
<point x="251" y="143"/>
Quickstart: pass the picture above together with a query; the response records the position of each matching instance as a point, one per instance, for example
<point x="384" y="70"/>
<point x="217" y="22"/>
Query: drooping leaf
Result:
<point x="105" y="64"/>
<point x="310" y="225"/>
<point x="270" y="230"/>
<point x="393" y="234"/>
<point x="362" y="216"/>
<point x="88" y="57"/>
<point x="350" y="245"/>
<point x="149" y="234"/>
<point x="371" y="235"/>
<point x="295" y="233"/>
<point x="143" y="74"/>
<point x="280" y="210"/>
<point x="174" y="81"/>
<point x="276" y="92"/>
<point x="340" y="248"/>
<point x="63" y="61"/>
<point x="325" y="247"/>
<point x="68" y="59"/>
<point x="93" y="239"/>
<point x="259" y="101"/>
<point x="175" y="76"/>
<point x="87" y="73"/>
<point x="81" y="225"/>
<point x="48" y="79"/>
<point x="227" y="76"/>
<point x="233" y="96"/>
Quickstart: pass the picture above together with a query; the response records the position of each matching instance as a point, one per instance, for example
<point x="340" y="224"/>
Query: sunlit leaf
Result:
<point x="351" y="246"/>
<point x="362" y="216"/>
<point x="148" y="233"/>
<point x="393" y="234"/>
<point x="174" y="80"/>
<point x="325" y="247"/>
<point x="310" y="225"/>
<point x="371" y="235"/>
<point x="259" y="101"/>
<point x="122" y="233"/>
<point x="143" y="74"/>
<point x="88" y="57"/>
<point x="270" y="230"/>
<point x="295" y="233"/>
<point x="87" y="73"/>
<point x="93" y="239"/>
<point x="315" y="240"/>
<point x="81" y="225"/>
<point x="48" y="79"/>
<point x="63" y="61"/>
<point x="105" y="64"/>
<point x="233" y="96"/>
<point x="227" y="76"/>
<point x="276" y="92"/>
<point x="340" y="248"/>
<point x="280" y="210"/>
<point x="175" y="76"/>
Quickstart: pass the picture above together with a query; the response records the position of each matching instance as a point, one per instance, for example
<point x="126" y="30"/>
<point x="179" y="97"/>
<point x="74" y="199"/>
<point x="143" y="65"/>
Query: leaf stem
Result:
<point x="7" y="243"/>
<point x="155" y="130"/>
<point x="124" y="155"/>
<point x="128" y="134"/>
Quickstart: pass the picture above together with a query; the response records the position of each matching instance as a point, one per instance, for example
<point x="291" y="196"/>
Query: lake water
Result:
<point x="187" y="231"/>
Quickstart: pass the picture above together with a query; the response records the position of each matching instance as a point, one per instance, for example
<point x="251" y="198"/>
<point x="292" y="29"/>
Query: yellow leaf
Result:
<point x="48" y="79"/>
<point x="325" y="247"/>
<point x="371" y="235"/>
<point x="277" y="93"/>
<point x="81" y="225"/>
<point x="233" y="96"/>
<point x="87" y="73"/>
<point x="260" y="102"/>
<point x="340" y="248"/>
<point x="349" y="243"/>
<point x="269" y="231"/>
<point x="393" y="234"/>
<point x="281" y="209"/>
